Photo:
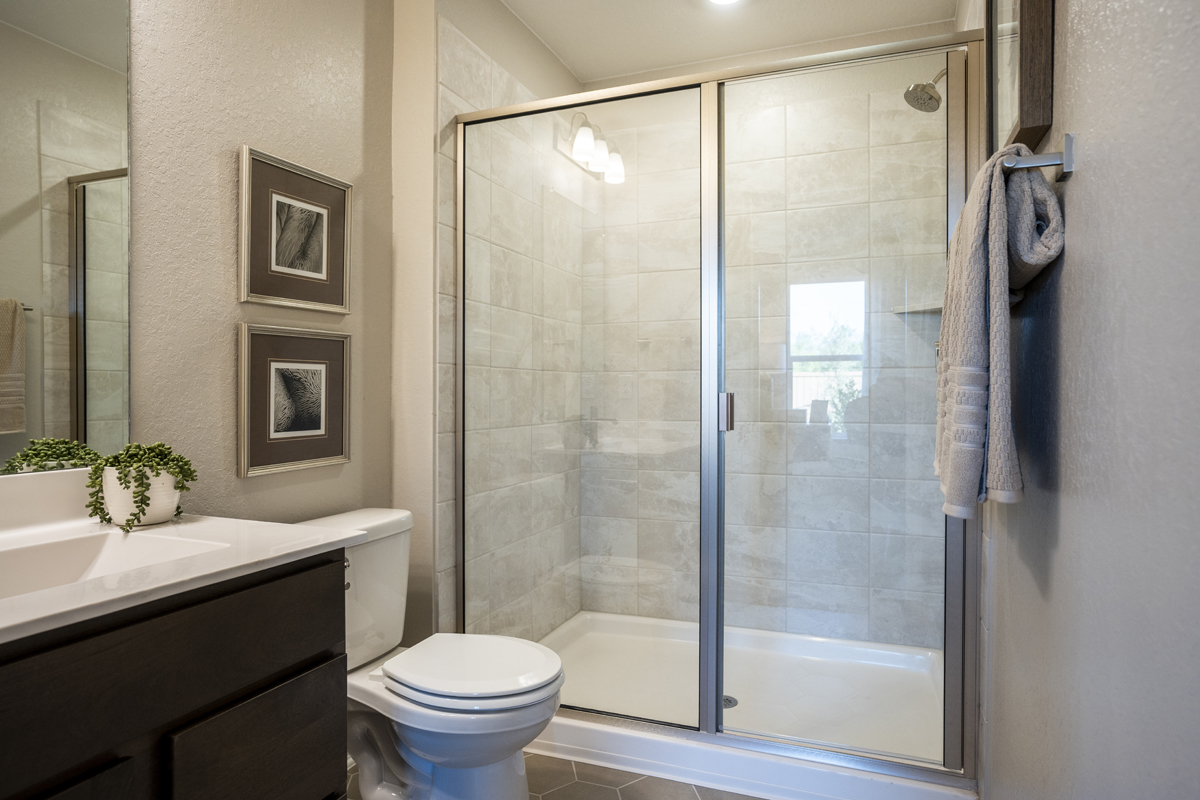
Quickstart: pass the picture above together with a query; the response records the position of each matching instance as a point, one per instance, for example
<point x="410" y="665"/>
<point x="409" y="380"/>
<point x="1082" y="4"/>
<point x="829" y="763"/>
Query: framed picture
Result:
<point x="293" y="399"/>
<point x="294" y="238"/>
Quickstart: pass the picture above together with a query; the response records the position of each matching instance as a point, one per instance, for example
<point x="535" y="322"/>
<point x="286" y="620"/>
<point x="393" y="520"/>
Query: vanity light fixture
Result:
<point x="599" y="162"/>
<point x="722" y="2"/>
<point x="590" y="149"/>
<point x="583" y="144"/>
<point x="616" y="167"/>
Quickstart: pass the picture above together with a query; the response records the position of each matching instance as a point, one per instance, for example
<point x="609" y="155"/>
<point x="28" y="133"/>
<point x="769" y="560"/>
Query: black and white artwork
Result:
<point x="298" y="399"/>
<point x="299" y="238"/>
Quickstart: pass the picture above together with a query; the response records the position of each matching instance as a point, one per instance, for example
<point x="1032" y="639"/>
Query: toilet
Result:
<point x="445" y="719"/>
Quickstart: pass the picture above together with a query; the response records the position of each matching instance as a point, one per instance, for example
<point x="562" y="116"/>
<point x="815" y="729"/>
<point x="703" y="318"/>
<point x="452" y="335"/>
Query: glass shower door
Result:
<point x="835" y="264"/>
<point x="582" y="395"/>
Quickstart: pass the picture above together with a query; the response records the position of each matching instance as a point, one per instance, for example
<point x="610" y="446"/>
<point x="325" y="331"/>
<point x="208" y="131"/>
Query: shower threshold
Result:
<point x="874" y="698"/>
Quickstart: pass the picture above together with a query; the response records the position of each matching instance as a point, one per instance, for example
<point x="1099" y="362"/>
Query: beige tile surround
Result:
<point x="582" y="377"/>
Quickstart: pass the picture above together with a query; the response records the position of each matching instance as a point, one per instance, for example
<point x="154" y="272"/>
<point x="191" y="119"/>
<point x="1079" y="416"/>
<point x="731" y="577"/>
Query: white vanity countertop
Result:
<point x="239" y="547"/>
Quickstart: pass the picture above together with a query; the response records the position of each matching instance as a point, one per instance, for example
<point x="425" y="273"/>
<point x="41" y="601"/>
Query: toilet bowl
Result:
<point x="448" y="718"/>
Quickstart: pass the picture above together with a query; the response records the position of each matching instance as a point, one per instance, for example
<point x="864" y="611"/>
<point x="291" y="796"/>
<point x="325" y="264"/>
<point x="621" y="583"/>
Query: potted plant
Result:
<point x="139" y="485"/>
<point x="44" y="455"/>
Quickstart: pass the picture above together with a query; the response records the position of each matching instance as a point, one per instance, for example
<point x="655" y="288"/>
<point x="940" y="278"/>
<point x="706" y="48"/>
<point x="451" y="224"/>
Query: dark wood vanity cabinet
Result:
<point x="235" y="690"/>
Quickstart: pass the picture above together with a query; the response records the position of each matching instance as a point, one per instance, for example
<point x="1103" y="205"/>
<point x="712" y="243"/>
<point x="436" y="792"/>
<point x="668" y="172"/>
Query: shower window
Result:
<point x="827" y="340"/>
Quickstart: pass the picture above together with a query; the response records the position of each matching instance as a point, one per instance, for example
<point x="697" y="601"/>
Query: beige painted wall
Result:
<point x="1092" y="636"/>
<point x="311" y="82"/>
<point x="414" y="298"/>
<point x="36" y="71"/>
<point x="511" y="44"/>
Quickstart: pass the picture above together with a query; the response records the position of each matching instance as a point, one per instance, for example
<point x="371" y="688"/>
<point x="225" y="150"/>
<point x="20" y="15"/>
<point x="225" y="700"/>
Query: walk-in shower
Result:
<point x="781" y="238"/>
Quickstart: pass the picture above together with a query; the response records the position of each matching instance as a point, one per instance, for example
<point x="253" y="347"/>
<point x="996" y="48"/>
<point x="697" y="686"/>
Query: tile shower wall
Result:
<point x="835" y="534"/>
<point x="72" y="144"/>
<point x="825" y="535"/>
<point x="524" y="247"/>
<point x="640" y="533"/>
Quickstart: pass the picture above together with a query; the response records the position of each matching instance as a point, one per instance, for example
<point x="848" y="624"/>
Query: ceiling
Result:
<point x="98" y="30"/>
<point x="601" y="39"/>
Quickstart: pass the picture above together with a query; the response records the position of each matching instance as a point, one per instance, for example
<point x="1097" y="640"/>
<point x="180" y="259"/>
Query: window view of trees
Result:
<point x="827" y="343"/>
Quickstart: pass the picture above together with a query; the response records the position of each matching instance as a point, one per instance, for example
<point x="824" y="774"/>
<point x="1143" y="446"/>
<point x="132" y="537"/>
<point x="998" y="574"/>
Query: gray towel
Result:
<point x="12" y="367"/>
<point x="1005" y="236"/>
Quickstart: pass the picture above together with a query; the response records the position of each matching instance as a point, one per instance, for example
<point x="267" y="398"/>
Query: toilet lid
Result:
<point x="477" y="704"/>
<point x="473" y="665"/>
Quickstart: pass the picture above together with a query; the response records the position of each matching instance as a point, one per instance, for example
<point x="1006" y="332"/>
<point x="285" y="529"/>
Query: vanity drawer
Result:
<point x="127" y="779"/>
<point x="288" y="742"/>
<point x="78" y="705"/>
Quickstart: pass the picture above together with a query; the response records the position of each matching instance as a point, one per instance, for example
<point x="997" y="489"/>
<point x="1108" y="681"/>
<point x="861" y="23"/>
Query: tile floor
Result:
<point x="558" y="779"/>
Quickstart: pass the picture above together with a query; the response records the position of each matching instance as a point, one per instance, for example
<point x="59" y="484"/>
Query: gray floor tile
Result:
<point x="582" y="791"/>
<point x="658" y="789"/>
<point x="720" y="794"/>
<point x="605" y="776"/>
<point x="546" y="774"/>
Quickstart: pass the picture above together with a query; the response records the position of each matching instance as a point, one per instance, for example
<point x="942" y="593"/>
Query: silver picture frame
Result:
<point x="245" y="230"/>
<point x="248" y="426"/>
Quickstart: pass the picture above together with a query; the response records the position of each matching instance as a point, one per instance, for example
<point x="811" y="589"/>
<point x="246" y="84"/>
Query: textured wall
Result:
<point x="1092" y="636"/>
<point x="308" y="81"/>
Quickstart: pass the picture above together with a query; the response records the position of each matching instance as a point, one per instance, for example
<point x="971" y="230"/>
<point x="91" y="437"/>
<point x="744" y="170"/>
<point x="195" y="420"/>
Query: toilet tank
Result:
<point x="376" y="580"/>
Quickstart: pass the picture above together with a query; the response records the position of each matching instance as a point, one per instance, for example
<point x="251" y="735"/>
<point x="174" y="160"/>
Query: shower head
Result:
<point x="924" y="96"/>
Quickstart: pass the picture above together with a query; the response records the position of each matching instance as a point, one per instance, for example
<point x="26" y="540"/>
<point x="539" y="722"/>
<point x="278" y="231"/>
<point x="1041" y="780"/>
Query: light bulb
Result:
<point x="616" y="169"/>
<point x="599" y="161"/>
<point x="584" y="146"/>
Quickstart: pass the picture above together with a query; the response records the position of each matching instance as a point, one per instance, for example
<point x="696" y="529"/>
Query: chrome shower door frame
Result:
<point x="967" y="145"/>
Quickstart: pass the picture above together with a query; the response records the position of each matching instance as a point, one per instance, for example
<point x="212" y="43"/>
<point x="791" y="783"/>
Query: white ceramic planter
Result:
<point x="164" y="498"/>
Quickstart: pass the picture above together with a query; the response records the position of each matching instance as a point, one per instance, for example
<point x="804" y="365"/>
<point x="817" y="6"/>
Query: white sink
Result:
<point x="33" y="567"/>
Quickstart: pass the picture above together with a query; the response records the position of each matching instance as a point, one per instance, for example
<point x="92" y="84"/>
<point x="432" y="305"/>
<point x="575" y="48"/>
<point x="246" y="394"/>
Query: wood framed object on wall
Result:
<point x="1035" y="85"/>
<point x="293" y="399"/>
<point x="294" y="235"/>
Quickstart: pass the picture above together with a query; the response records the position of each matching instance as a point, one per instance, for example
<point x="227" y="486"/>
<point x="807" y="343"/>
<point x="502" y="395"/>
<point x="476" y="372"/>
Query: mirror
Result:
<point x="64" y="223"/>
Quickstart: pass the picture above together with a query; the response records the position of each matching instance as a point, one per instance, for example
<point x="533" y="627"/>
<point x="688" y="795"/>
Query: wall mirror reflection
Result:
<point x="64" y="222"/>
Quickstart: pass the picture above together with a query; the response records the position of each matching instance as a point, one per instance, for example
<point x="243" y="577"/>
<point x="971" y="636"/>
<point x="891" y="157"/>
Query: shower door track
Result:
<point x="967" y="149"/>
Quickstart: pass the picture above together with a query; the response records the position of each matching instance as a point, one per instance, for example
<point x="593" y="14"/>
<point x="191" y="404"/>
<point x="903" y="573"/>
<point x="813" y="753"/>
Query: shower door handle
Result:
<point x="725" y="411"/>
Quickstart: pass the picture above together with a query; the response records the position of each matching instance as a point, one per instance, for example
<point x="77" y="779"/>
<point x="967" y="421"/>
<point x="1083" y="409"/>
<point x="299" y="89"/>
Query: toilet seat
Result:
<point x="367" y="687"/>
<point x="474" y="666"/>
<point x="493" y="703"/>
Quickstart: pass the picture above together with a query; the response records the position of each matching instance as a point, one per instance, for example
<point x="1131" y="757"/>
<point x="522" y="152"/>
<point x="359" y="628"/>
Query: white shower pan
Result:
<point x="878" y="699"/>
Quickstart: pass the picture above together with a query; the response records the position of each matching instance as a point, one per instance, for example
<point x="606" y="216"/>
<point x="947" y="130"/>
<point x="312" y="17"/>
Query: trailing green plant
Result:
<point x="44" y="455"/>
<point x="135" y="465"/>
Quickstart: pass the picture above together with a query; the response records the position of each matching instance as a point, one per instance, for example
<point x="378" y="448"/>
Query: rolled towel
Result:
<point x="12" y="366"/>
<point x="1035" y="226"/>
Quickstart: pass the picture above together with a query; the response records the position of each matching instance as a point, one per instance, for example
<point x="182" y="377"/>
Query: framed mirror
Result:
<point x="1022" y="70"/>
<point x="64" y="222"/>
